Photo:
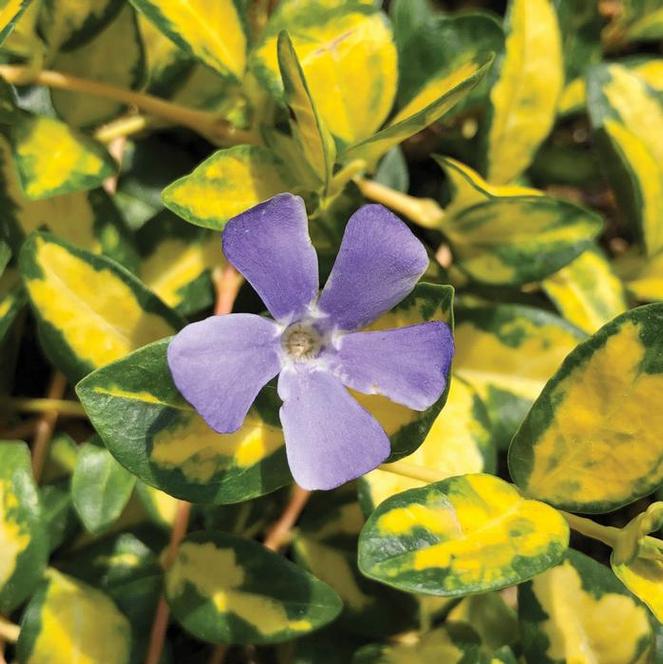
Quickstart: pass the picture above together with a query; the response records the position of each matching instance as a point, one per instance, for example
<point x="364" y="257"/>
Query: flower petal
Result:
<point x="379" y="263"/>
<point x="221" y="363"/>
<point x="269" y="244"/>
<point x="330" y="439"/>
<point x="408" y="365"/>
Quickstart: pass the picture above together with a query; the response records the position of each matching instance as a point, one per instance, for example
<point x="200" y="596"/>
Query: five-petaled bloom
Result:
<point x="221" y="363"/>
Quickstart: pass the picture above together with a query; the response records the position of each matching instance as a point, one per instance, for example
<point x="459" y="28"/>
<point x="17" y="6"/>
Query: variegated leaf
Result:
<point x="225" y="589"/>
<point x="524" y="97"/>
<point x="466" y="534"/>
<point x="593" y="441"/>
<point x="90" y="310"/>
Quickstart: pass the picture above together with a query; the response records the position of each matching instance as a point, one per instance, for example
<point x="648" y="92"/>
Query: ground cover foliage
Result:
<point x="516" y="519"/>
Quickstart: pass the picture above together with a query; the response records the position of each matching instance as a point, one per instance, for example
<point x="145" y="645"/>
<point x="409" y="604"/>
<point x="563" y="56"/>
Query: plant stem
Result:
<point x="606" y="534"/>
<point x="278" y="534"/>
<point x="8" y="631"/>
<point x="160" y="624"/>
<point x="125" y="126"/>
<point x="422" y="211"/>
<point x="215" y="129"/>
<point x="46" y="425"/>
<point x="227" y="282"/>
<point x="609" y="535"/>
<point x="62" y="407"/>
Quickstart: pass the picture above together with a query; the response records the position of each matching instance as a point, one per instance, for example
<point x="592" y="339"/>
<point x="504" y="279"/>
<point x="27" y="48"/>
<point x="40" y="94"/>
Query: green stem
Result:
<point x="60" y="406"/>
<point x="609" y="535"/>
<point x="422" y="211"/>
<point x="216" y="129"/>
<point x="606" y="534"/>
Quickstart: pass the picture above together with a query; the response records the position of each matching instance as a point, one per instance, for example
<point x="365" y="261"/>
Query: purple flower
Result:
<point x="221" y="363"/>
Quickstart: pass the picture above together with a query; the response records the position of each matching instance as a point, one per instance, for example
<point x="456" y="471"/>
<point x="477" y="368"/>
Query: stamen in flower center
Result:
<point x="301" y="342"/>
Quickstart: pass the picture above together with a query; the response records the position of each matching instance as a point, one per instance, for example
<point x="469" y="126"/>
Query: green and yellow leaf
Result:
<point x="225" y="184"/>
<point x="90" y="310"/>
<point x="642" y="275"/>
<point x="468" y="188"/>
<point x="68" y="621"/>
<point x="451" y="644"/>
<point x="213" y="33"/>
<point x="326" y="545"/>
<point x="53" y="159"/>
<point x="24" y="550"/>
<point x="578" y="612"/>
<point x="523" y="99"/>
<point x="10" y="10"/>
<point x="586" y="292"/>
<point x="65" y="25"/>
<point x="512" y="241"/>
<point x="637" y="558"/>
<point x="177" y="262"/>
<point x="348" y="58"/>
<point x="507" y="353"/>
<point x="308" y="129"/>
<point x="438" y="97"/>
<point x="593" y="441"/>
<point x="466" y="534"/>
<point x="87" y="219"/>
<point x="628" y="118"/>
<point x="408" y="428"/>
<point x="98" y="60"/>
<point x="459" y="442"/>
<point x="225" y="589"/>
<point x="421" y="59"/>
<point x="151" y="430"/>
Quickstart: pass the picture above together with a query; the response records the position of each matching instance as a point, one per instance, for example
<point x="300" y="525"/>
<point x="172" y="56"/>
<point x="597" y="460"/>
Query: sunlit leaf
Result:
<point x="98" y="60"/>
<point x="593" y="441"/>
<point x="10" y="10"/>
<point x="430" y="104"/>
<point x="90" y="310"/>
<point x="515" y="240"/>
<point x="87" y="219"/>
<point x="22" y="533"/>
<point x="177" y="261"/>
<point x="440" y="44"/>
<point x="348" y="58"/>
<point x="100" y="487"/>
<point x="68" y="621"/>
<point x="310" y="132"/>
<point x="578" y="612"/>
<point x="507" y="353"/>
<point x="53" y="159"/>
<point x="466" y="534"/>
<point x="627" y="116"/>
<point x="225" y="184"/>
<point x="523" y="99"/>
<point x="468" y="188"/>
<point x="459" y="442"/>
<point x="151" y="430"/>
<point x="225" y="589"/>
<point x="213" y="33"/>
<point x="586" y="292"/>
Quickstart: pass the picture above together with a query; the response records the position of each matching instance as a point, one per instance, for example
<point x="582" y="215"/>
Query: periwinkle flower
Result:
<point x="221" y="363"/>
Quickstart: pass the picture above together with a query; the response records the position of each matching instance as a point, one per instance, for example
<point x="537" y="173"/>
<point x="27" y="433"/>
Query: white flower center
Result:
<point x="301" y="341"/>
